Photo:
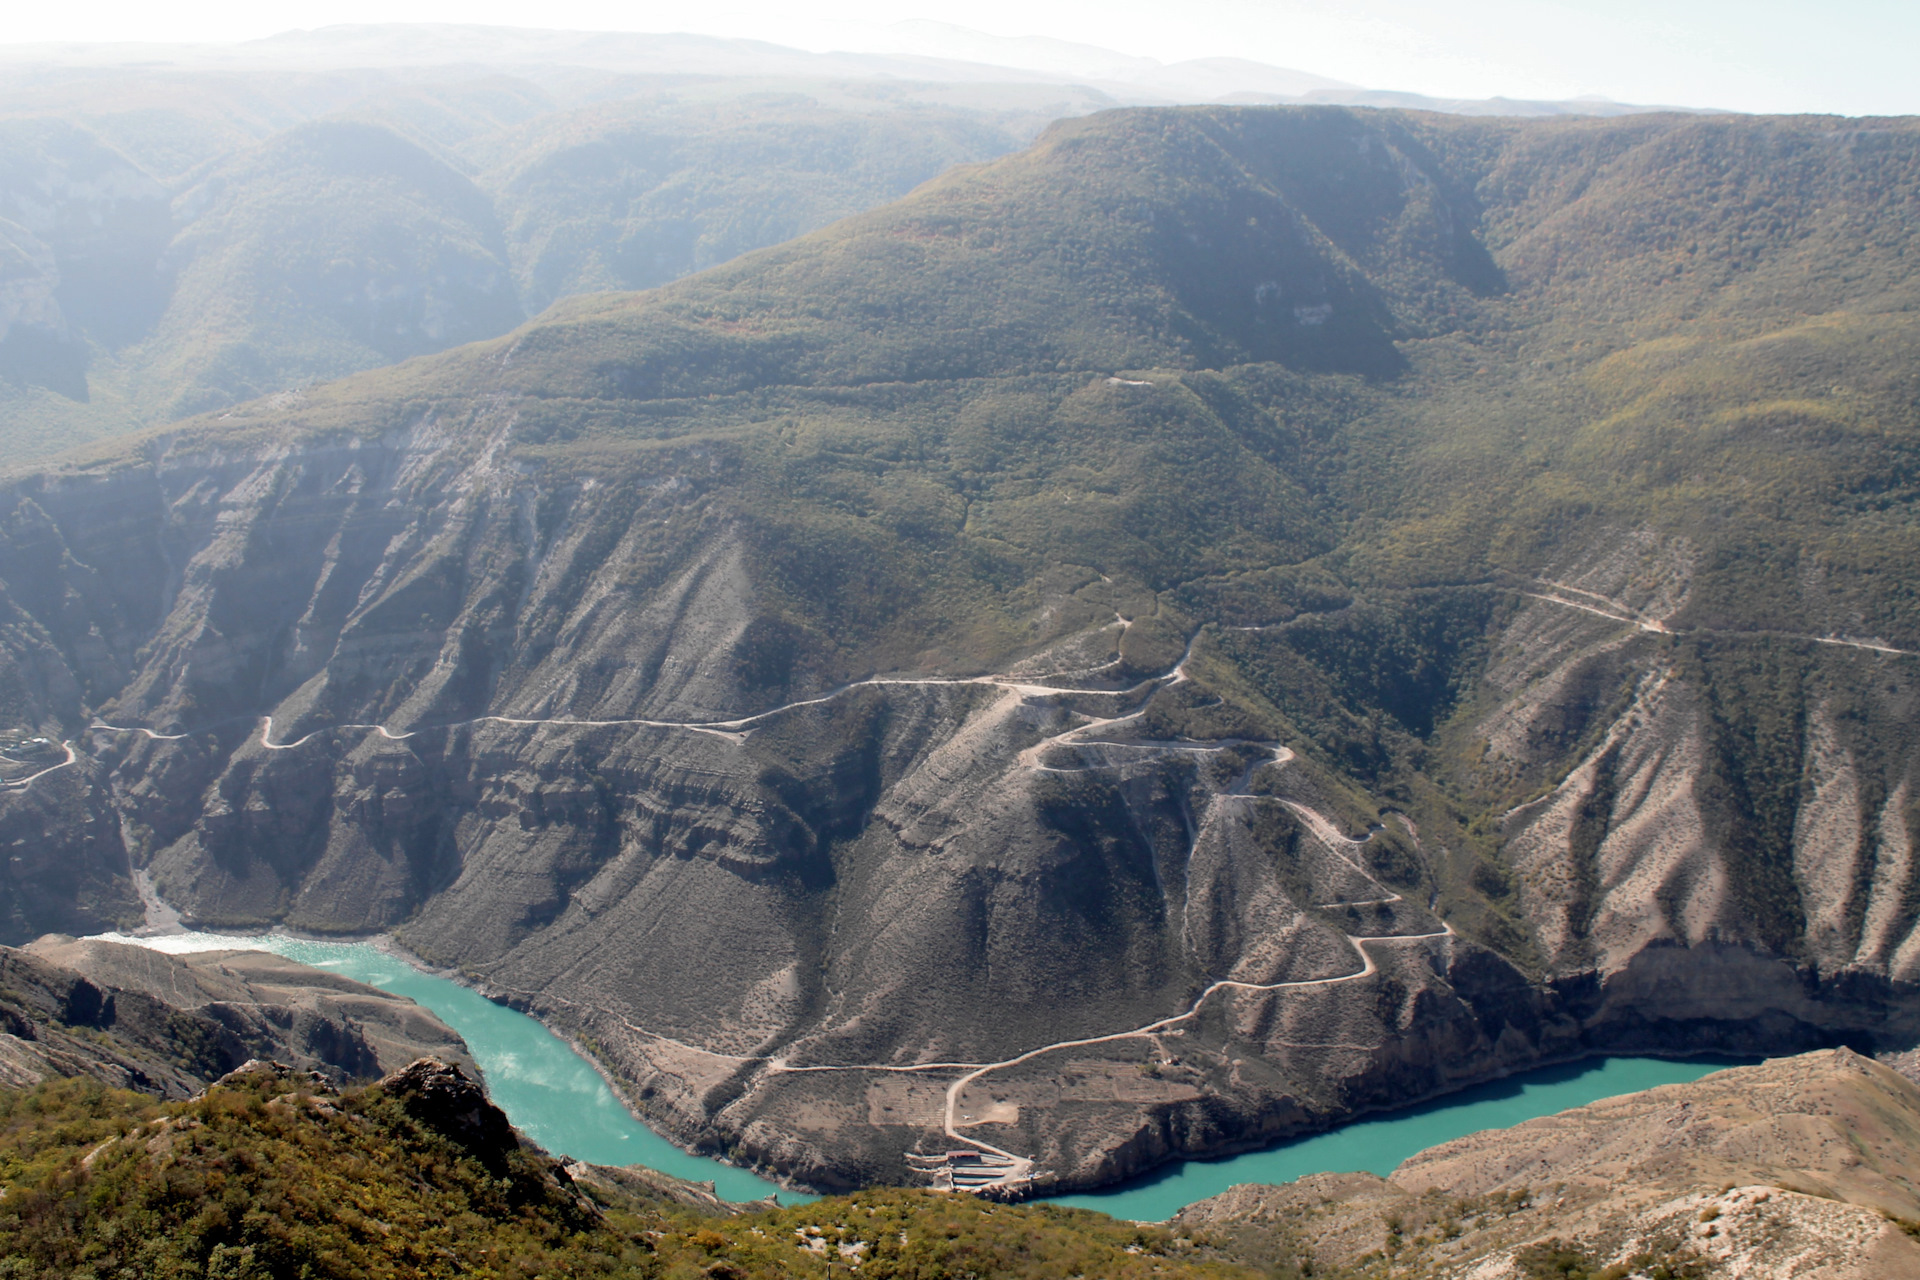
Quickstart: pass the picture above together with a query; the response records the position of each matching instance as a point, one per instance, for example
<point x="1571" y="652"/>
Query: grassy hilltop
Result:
<point x="1454" y="341"/>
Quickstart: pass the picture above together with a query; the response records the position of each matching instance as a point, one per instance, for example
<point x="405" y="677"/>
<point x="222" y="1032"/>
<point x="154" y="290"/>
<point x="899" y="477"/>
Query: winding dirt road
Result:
<point x="21" y="784"/>
<point x="1604" y="607"/>
<point x="736" y="730"/>
<point x="1017" y="1169"/>
<point x="1022" y="1167"/>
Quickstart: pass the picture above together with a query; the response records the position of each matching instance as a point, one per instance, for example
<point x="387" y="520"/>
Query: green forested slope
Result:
<point x="329" y="249"/>
<point x="271" y="1174"/>
<point x="1454" y="333"/>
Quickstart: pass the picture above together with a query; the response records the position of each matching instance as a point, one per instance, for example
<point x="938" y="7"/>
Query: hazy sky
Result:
<point x="1849" y="56"/>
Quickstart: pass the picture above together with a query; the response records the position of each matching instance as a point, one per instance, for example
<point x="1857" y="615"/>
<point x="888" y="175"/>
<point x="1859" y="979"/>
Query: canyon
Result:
<point x="1221" y="622"/>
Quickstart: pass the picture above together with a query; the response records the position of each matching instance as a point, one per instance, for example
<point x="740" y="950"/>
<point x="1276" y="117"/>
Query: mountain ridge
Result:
<point x="129" y="1018"/>
<point x="1270" y="528"/>
<point x="156" y="287"/>
<point x="911" y="50"/>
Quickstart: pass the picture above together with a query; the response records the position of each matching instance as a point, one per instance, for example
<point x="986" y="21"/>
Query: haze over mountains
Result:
<point x="912" y="51"/>
<point x="1222" y="619"/>
<point x="183" y="227"/>
<point x="179" y="241"/>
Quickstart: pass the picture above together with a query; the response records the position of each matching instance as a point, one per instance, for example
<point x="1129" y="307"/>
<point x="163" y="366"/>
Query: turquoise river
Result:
<point x="561" y="1102"/>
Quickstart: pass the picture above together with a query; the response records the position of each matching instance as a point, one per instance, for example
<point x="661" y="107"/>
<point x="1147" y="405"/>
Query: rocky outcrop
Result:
<point x="443" y="1097"/>
<point x="278" y="1007"/>
<point x="139" y="1019"/>
<point x="634" y="1186"/>
<point x="449" y="1101"/>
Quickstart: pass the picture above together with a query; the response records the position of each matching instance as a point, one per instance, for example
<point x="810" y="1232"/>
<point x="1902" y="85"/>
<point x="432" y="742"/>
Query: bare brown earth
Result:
<point x="1798" y="1167"/>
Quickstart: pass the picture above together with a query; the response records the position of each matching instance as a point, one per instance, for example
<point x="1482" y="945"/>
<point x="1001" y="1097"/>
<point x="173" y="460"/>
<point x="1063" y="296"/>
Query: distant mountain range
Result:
<point x="174" y="241"/>
<point x="913" y="50"/>
<point x="186" y="227"/>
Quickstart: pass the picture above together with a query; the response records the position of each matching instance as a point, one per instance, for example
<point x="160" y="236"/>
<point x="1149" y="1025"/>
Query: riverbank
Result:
<point x="563" y="1099"/>
<point x="1380" y="1142"/>
<point x="558" y="1096"/>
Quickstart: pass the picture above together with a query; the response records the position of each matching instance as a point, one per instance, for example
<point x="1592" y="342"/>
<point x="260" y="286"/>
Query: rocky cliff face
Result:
<point x="169" y="1025"/>
<point x="877" y="744"/>
<point x="735" y="911"/>
<point x="1711" y="856"/>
